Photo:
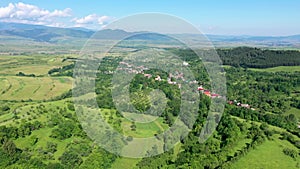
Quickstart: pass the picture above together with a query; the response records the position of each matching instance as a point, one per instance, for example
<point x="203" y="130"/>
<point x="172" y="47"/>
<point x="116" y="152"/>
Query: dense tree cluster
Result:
<point x="258" y="58"/>
<point x="62" y="71"/>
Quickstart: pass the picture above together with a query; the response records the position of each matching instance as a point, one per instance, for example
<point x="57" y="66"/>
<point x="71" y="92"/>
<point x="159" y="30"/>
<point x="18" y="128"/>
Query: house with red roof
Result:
<point x="207" y="93"/>
<point x="214" y="95"/>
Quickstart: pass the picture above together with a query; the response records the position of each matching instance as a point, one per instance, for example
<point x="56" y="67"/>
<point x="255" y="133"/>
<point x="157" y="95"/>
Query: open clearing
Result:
<point x="294" y="111"/>
<point x="268" y="155"/>
<point x="34" y="88"/>
<point x="272" y="69"/>
<point x="279" y="69"/>
<point x="38" y="65"/>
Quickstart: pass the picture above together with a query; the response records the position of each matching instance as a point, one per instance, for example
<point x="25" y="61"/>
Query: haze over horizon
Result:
<point x="256" y="18"/>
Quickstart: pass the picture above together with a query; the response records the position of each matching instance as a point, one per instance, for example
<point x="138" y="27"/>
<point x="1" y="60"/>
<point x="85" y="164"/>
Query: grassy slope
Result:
<point x="35" y="88"/>
<point x="42" y="134"/>
<point x="273" y="69"/>
<point x="39" y="88"/>
<point x="38" y="65"/>
<point x="279" y="68"/>
<point x="294" y="111"/>
<point x="268" y="155"/>
<point x="125" y="163"/>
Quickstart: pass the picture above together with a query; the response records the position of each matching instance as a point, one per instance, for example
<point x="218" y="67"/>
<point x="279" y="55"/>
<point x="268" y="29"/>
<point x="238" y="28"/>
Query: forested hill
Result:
<point x="258" y="58"/>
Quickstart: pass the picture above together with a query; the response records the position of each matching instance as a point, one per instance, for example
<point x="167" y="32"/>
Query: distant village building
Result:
<point x="207" y="93"/>
<point x="200" y="88"/>
<point x="214" y="95"/>
<point x="148" y="75"/>
<point x="185" y="63"/>
<point x="245" y="105"/>
<point x="179" y="86"/>
<point x="158" y="78"/>
<point x="193" y="82"/>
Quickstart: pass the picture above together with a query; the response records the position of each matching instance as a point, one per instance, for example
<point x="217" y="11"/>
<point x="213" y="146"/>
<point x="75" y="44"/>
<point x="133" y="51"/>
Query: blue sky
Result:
<point x="228" y="17"/>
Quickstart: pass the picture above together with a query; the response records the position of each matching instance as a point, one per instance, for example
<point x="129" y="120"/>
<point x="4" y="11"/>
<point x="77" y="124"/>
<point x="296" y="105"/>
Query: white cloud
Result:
<point x="92" y="21"/>
<point x="6" y="11"/>
<point x="31" y="14"/>
<point x="26" y="13"/>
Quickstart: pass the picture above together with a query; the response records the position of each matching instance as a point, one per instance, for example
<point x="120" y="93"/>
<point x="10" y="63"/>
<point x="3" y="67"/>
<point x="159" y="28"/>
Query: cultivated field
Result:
<point x="33" y="88"/>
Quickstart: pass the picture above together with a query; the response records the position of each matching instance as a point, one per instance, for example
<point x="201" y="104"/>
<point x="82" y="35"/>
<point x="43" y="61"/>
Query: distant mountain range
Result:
<point x="39" y="33"/>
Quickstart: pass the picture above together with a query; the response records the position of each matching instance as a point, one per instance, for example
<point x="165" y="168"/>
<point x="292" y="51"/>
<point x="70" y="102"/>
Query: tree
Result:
<point x="290" y="152"/>
<point x="10" y="148"/>
<point x="51" y="147"/>
<point x="70" y="159"/>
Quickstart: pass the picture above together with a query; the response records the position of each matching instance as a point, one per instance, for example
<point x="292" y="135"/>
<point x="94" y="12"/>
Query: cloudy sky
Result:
<point x="230" y="17"/>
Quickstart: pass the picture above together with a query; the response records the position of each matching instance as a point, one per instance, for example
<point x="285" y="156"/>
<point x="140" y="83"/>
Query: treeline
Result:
<point x="258" y="58"/>
<point x="62" y="71"/>
<point x="264" y="91"/>
<point x="283" y="121"/>
<point x="25" y="75"/>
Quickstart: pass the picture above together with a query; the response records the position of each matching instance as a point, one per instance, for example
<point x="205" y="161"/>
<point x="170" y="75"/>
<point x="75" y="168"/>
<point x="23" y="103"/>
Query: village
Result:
<point x="177" y="75"/>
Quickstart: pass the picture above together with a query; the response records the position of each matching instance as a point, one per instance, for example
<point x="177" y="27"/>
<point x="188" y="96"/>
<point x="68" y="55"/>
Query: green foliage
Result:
<point x="64" y="130"/>
<point x="51" y="147"/>
<point x="99" y="159"/>
<point x="71" y="159"/>
<point x="62" y="71"/>
<point x="5" y="108"/>
<point x="290" y="152"/>
<point x="23" y="74"/>
<point x="10" y="148"/>
<point x="258" y="58"/>
<point x="65" y="145"/>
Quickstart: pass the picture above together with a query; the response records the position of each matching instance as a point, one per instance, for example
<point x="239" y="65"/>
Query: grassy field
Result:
<point x="42" y="87"/>
<point x="273" y="69"/>
<point x="38" y="64"/>
<point x="35" y="88"/>
<point x="43" y="136"/>
<point x="294" y="111"/>
<point x="268" y="155"/>
<point x="30" y="113"/>
<point x="279" y="69"/>
<point x="128" y="163"/>
<point x="144" y="130"/>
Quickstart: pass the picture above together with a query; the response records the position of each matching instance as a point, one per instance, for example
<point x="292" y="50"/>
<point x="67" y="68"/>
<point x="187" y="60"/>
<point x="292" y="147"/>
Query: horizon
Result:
<point x="230" y="18"/>
<point x="209" y="34"/>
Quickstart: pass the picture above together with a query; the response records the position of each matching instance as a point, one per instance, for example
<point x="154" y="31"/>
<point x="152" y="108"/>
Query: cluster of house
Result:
<point x="208" y="93"/>
<point x="235" y="102"/>
<point x="140" y="70"/>
<point x="214" y="95"/>
<point x="131" y="69"/>
<point x="178" y="75"/>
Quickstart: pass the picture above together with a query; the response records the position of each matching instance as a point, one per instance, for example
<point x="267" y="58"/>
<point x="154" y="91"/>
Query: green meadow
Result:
<point x="268" y="155"/>
<point x="279" y="69"/>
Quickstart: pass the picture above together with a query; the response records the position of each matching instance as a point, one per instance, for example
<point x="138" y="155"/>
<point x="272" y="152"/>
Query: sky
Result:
<point x="220" y="17"/>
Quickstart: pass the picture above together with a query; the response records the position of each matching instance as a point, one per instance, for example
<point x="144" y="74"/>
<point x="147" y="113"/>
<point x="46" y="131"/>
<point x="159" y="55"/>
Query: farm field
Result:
<point x="25" y="77"/>
<point x="39" y="65"/>
<point x="33" y="88"/>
